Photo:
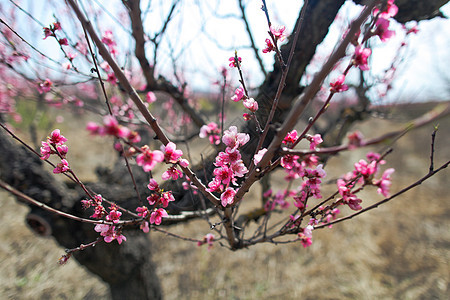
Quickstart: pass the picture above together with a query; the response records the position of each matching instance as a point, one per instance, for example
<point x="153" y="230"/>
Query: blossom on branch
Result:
<point x="338" y="85"/>
<point x="207" y="239"/>
<point x="360" y="58"/>
<point x="148" y="158"/>
<point x="157" y="215"/>
<point x="238" y="94"/>
<point x="269" y="46"/>
<point x="235" y="61"/>
<point x="278" y="32"/>
<point x="45" y="86"/>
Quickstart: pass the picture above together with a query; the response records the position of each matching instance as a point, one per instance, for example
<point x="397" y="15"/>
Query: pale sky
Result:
<point x="202" y="43"/>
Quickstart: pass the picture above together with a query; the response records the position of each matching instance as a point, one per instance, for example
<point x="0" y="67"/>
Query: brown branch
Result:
<point x="439" y="111"/>
<point x="250" y="36"/>
<point x="404" y="190"/>
<point x="302" y="102"/>
<point x="120" y="75"/>
<point x="148" y="70"/>
<point x="32" y="201"/>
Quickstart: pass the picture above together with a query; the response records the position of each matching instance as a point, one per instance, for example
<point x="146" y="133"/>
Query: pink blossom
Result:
<point x="108" y="38"/>
<point x="172" y="173"/>
<point x="153" y="185"/>
<point x="48" y="32"/>
<point x="288" y="161"/>
<point x="166" y="197"/>
<point x="144" y="227"/>
<point x="234" y="63"/>
<point x="111" y="78"/>
<point x="231" y="138"/>
<point x="142" y="211"/>
<point x="56" y="26"/>
<point x="223" y="174"/>
<point x="93" y="128"/>
<point x="114" y="215"/>
<point x="171" y="154"/>
<point x="290" y="138"/>
<point x="157" y="215"/>
<point x="184" y="163"/>
<point x="338" y="85"/>
<point x="109" y="233"/>
<point x="148" y="159"/>
<point x="239" y="169"/>
<point x="215" y="185"/>
<point x="238" y="94"/>
<point x="62" y="167"/>
<point x="366" y="169"/>
<point x="382" y="30"/>
<point x="212" y="132"/>
<point x="269" y="46"/>
<point x="384" y="183"/>
<point x="56" y="138"/>
<point x="246" y="116"/>
<point x="278" y="32"/>
<point x="45" y="87"/>
<point x="258" y="156"/>
<point x="46" y="151"/>
<point x="150" y="97"/>
<point x="62" y="150"/>
<point x="251" y="104"/>
<point x="153" y="199"/>
<point x="390" y="11"/>
<point x="227" y="196"/>
<point x="314" y="140"/>
<point x="63" y="42"/>
<point x="207" y="239"/>
<point x="360" y="57"/>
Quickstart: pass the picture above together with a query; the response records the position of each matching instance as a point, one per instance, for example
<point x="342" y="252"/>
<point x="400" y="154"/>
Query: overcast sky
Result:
<point x="204" y="35"/>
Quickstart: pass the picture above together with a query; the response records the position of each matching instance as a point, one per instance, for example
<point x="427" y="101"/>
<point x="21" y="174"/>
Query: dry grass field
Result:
<point x="400" y="250"/>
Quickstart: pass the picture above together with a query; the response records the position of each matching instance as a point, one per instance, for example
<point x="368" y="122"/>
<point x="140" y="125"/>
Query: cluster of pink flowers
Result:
<point x="55" y="145"/>
<point x="50" y="31"/>
<point x="158" y="197"/>
<point x="229" y="165"/>
<point x="112" y="127"/>
<point x="173" y="156"/>
<point x="110" y="233"/>
<point x="207" y="239"/>
<point x="363" y="174"/>
<point x="97" y="203"/>
<point x="249" y="103"/>
<point x="212" y="132"/>
<point x="305" y="236"/>
<point x="108" y="39"/>
<point x="279" y="34"/>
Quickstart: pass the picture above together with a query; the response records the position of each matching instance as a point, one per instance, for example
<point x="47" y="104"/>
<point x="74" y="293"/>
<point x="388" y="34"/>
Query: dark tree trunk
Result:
<point x="128" y="268"/>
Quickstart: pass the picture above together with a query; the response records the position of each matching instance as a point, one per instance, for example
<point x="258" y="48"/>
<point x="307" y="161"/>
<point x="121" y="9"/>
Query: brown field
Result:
<point x="400" y="250"/>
